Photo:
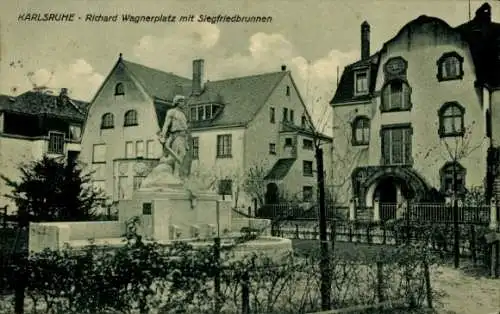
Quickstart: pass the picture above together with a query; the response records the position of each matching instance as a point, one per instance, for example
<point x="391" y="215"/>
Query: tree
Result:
<point x="456" y="149"/>
<point x="52" y="189"/>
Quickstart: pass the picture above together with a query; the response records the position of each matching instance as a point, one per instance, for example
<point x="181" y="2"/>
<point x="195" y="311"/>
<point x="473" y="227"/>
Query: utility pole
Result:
<point x="325" y="258"/>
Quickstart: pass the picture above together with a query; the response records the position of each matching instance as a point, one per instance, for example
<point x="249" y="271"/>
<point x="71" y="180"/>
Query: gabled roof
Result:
<point x="280" y="169"/>
<point x="157" y="83"/>
<point x="39" y="103"/>
<point x="482" y="35"/>
<point x="241" y="97"/>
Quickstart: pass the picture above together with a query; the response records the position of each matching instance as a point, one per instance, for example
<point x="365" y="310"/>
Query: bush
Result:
<point x="141" y="277"/>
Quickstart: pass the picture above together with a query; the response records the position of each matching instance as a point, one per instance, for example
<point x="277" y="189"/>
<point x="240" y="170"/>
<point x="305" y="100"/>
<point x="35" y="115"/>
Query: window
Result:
<point x="119" y="90"/>
<point x="361" y="79"/>
<point x="224" y="146"/>
<point x="451" y="120"/>
<point x="107" y="121"/>
<point x="139" y="149"/>
<point x="361" y="131"/>
<point x="75" y="132"/>
<point x="307" y="144"/>
<point x="56" y="143"/>
<point x="288" y="90"/>
<point x="396" y="145"/>
<point x="396" y="96"/>
<point x="225" y="187"/>
<point x="450" y="67"/>
<point x="292" y="116"/>
<point x="303" y="121"/>
<point x="203" y="112"/>
<point x="272" y="148"/>
<point x="285" y="114"/>
<point x="150" y="149"/>
<point x="99" y="153"/>
<point x="307" y="193"/>
<point x="449" y="171"/>
<point x="272" y="115"/>
<point x="130" y="118"/>
<point x="129" y="150"/>
<point x="307" y="167"/>
<point x="196" y="147"/>
<point x="288" y="141"/>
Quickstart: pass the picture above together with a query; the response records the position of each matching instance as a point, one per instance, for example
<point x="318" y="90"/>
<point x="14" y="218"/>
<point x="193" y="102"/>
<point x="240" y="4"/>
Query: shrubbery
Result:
<point x="144" y="277"/>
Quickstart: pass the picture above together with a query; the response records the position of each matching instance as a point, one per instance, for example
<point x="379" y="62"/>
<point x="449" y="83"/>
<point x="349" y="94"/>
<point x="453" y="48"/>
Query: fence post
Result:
<point x="245" y="293"/>
<point x="333" y="235"/>
<point x="217" y="274"/>
<point x="473" y="244"/>
<point x="380" y="282"/>
<point x="296" y="231"/>
<point x="376" y="210"/>
<point x="20" y="284"/>
<point x="493" y="214"/>
<point x="352" y="209"/>
<point x="428" y="288"/>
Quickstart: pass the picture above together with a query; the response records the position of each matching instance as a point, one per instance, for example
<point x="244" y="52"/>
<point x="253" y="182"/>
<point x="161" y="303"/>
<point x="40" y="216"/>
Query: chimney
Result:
<point x="483" y="14"/>
<point x="283" y="67"/>
<point x="64" y="92"/>
<point x="198" y="76"/>
<point x="365" y="40"/>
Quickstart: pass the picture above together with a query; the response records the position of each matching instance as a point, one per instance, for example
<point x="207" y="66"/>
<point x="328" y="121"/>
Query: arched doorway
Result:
<point x="272" y="193"/>
<point x="391" y="191"/>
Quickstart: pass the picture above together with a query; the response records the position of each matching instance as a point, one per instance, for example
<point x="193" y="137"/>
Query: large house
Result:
<point x="34" y="124"/>
<point x="419" y="115"/>
<point x="237" y="124"/>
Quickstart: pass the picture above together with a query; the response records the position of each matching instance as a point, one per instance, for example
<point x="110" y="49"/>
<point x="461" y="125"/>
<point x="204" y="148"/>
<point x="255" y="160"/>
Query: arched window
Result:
<point x="451" y="120"/>
<point x="450" y="172"/>
<point x="130" y="118"/>
<point x="450" y="67"/>
<point x="119" y="90"/>
<point x="361" y="131"/>
<point x="107" y="121"/>
<point x="396" y="96"/>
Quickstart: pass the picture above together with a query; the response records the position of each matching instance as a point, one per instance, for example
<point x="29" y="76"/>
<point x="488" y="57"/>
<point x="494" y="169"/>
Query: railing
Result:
<point x="299" y="211"/>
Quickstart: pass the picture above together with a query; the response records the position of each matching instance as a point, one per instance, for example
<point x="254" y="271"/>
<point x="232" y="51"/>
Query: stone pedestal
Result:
<point x="176" y="214"/>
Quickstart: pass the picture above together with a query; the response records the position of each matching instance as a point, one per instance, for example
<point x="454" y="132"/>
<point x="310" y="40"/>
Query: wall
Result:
<point x="421" y="45"/>
<point x="17" y="150"/>
<point x="261" y="132"/>
<point x="421" y="49"/>
<point x="115" y="139"/>
<point x="345" y="157"/>
<point x="220" y="168"/>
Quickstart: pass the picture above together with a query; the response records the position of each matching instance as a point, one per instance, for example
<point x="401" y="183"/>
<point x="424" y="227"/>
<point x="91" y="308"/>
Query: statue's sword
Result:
<point x="171" y="152"/>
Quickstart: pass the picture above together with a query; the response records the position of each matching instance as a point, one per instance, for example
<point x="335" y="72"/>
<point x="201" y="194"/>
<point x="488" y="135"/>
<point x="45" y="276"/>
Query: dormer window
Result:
<point x="203" y="112"/>
<point x="361" y="83"/>
<point x="119" y="90"/>
<point x="450" y="67"/>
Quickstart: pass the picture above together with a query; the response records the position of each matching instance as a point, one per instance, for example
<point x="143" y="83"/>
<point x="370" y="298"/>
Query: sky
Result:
<point x="313" y="38"/>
